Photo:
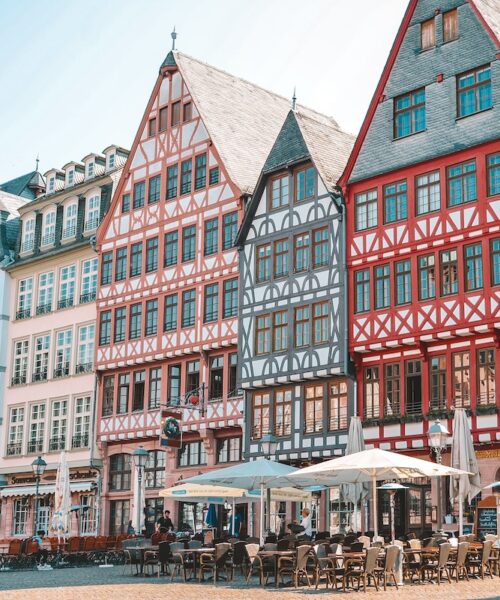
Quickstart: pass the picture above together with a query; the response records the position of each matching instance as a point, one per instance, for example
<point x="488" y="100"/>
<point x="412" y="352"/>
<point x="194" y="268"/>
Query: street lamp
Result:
<point x="438" y="439"/>
<point x="140" y="458"/>
<point x="38" y="466"/>
<point x="268" y="447"/>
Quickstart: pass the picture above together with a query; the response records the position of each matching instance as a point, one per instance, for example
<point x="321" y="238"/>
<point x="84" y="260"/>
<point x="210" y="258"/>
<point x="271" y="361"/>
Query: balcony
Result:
<point x="91" y="224"/>
<point x="18" y="379"/>
<point x="48" y="239"/>
<point x="25" y="313"/>
<point x="57" y="443"/>
<point x="80" y="441"/>
<point x="14" y="449"/>
<point x="35" y="446"/>
<point x="61" y="370"/>
<point x="88" y="297"/>
<point x="39" y="375"/>
<point x="43" y="309"/>
<point x="65" y="302"/>
<point x="28" y="246"/>
<point x="84" y="368"/>
<point x="69" y="232"/>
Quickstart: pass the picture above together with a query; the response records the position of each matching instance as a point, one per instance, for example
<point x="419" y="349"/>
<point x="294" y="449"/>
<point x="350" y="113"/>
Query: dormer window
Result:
<point x="71" y="177"/>
<point x="69" y="227"/>
<point x="52" y="183"/>
<point x="111" y="161"/>
<point x="90" y="169"/>
<point x="28" y="235"/>
<point x="49" y="228"/>
<point x="92" y="216"/>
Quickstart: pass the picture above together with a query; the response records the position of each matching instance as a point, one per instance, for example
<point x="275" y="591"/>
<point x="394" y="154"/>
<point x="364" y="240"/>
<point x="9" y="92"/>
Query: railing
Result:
<point x="69" y="232"/>
<point x="313" y="425"/>
<point x="186" y="188"/>
<point x="65" y="302"/>
<point x="18" y="379"/>
<point x="35" y="446"/>
<point x="43" y="309"/>
<point x="25" y="313"/>
<point x="61" y="370"/>
<point x="200" y="182"/>
<point x="84" y="368"/>
<point x="91" y="224"/>
<point x="57" y="443"/>
<point x="39" y="375"/>
<point x="171" y="192"/>
<point x="48" y="238"/>
<point x="14" y="449"/>
<point x="80" y="441"/>
<point x="88" y="297"/>
<point x="27" y="246"/>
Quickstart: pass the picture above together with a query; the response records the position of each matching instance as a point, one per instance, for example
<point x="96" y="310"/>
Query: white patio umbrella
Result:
<point x="355" y="492"/>
<point x="368" y="466"/>
<point x="62" y="499"/>
<point x="135" y="500"/>
<point x="463" y="457"/>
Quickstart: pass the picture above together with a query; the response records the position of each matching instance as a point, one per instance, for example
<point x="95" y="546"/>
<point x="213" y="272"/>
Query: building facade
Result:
<point x="168" y="293"/>
<point x="50" y="394"/>
<point x="423" y="190"/>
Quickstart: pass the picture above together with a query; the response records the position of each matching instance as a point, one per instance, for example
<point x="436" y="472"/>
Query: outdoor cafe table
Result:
<point x="142" y="550"/>
<point x="196" y="553"/>
<point x="276" y="554"/>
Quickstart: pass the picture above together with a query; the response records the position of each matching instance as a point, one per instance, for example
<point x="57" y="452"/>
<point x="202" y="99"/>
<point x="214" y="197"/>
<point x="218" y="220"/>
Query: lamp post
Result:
<point x="438" y="439"/>
<point x="38" y="466"/>
<point x="140" y="457"/>
<point x="268" y="446"/>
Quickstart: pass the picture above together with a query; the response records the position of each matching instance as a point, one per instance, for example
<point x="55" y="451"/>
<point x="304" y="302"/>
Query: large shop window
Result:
<point x="119" y="516"/>
<point x="120" y="470"/>
<point x="21" y="514"/>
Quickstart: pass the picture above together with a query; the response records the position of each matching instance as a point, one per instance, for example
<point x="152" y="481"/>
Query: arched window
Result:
<point x="69" y="226"/>
<point x="155" y="469"/>
<point x="28" y="241"/>
<point x="49" y="228"/>
<point x="93" y="210"/>
<point x="119" y="472"/>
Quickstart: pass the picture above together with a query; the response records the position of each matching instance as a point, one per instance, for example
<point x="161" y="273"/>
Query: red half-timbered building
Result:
<point x="423" y="197"/>
<point x="168" y="296"/>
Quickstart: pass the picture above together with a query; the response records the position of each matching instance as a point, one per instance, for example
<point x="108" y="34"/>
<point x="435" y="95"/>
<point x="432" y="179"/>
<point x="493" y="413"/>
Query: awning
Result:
<point x="44" y="489"/>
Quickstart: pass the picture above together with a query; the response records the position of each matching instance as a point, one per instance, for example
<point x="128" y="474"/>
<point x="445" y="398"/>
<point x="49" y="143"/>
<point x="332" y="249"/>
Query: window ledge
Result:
<point x="479" y="112"/>
<point x="410" y="135"/>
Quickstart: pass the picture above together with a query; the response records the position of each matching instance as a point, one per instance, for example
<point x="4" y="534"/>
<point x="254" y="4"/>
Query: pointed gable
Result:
<point x="489" y="11"/>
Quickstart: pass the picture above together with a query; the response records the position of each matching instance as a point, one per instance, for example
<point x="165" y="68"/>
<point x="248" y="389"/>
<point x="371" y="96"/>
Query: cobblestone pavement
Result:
<point x="110" y="584"/>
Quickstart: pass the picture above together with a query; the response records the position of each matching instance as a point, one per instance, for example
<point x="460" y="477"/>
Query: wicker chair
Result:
<point x="389" y="568"/>
<point x="238" y="558"/>
<point x="216" y="562"/>
<point x="458" y="566"/>
<point x="482" y="563"/>
<point x="438" y="566"/>
<point x="255" y="562"/>
<point x="296" y="567"/>
<point x="362" y="569"/>
<point x="179" y="560"/>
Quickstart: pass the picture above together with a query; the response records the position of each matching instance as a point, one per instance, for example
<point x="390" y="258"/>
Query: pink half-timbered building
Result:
<point x="168" y="297"/>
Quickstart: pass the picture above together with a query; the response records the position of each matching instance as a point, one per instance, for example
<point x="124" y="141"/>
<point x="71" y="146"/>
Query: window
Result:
<point x="171" y="246"/>
<point x="320" y="314"/>
<point x="120" y="324"/>
<point x="170" y="316"/>
<point x="125" y="203"/>
<point x="372" y="392"/>
<point x="176" y="114"/>
<point x="426" y="277"/>
<point x="462" y="183"/>
<point x="22" y="509"/>
<point x="260" y="415"/>
<point x="263" y="334"/>
<point x="215" y="390"/>
<point x="70" y="217"/>
<point x="151" y="255"/>
<point x="362" y="290"/>
<point x="413" y="387"/>
<point x="192" y="454"/>
<point x="188" y="243"/>
<point x="119" y="516"/>
<point x="392" y="383"/>
<point x="278" y="192"/>
<point x="107" y="268"/>
<point x="450" y="25"/>
<point x="395" y="202"/>
<point x="151" y="317"/>
<point x="45" y="293"/>
<point x="172" y="177"/>
<point x="41" y="358"/>
<point x="230" y="229"/>
<point x="280" y="331"/>
<point x="437" y="366"/>
<point x="37" y="428"/>
<point x="81" y="428"/>
<point x="473" y="256"/>
<point x="186" y="167"/>
<point x="495" y="261"/>
<point x="138" y="390"/>
<point x="461" y="379"/>
<point x="188" y="308"/>
<point x="123" y="393"/>
<point x="263" y="263"/>
<point x="108" y="395"/>
<point x="71" y="177"/>
<point x="139" y="194"/>
<point x="486" y="386"/>
<point x="104" y="327"/>
<point x="67" y="286"/>
<point x="428" y="34"/>
<point x="230" y="308"/>
<point x="313" y="408"/>
<point x="320" y="247"/>
<point x="64" y="342"/>
<point x="493" y="169"/>
<point x="280" y="258"/>
<point x="200" y="178"/>
<point x="154" y="388"/>
<point x="154" y="472"/>
<point x="120" y="471"/>
<point x="49" y="228"/>
<point x="366" y="210"/>
<point x="89" y="281"/>
<point x="213" y="176"/>
<point x="152" y="127"/>
<point x="121" y="264"/>
<point x="174" y="385"/>
<point x="163" y="118"/>
<point x="28" y="235"/>
<point x="85" y="350"/>
<point x="233" y="376"/>
<point x="229" y="450"/>
<point x="304" y="184"/>
<point x="90" y="169"/>
<point x="409" y="114"/>
<point x="154" y="189"/>
<point x="135" y="325"/>
<point x="283" y="412"/>
<point x="211" y="312"/>
<point x="382" y="287"/>
<point x="93" y="209"/>
<point x="449" y="272"/>
<point x="16" y="429"/>
<point x="24" y="298"/>
<point x="302" y="244"/>
<point x="59" y="425"/>
<point x="338" y="406"/>
<point x="188" y="112"/>
<point x="302" y="333"/>
<point x="20" y="366"/>
<point x="193" y="376"/>
<point x="211" y="236"/>
<point x="474" y="91"/>
<point x="403" y="282"/>
<point x="428" y="193"/>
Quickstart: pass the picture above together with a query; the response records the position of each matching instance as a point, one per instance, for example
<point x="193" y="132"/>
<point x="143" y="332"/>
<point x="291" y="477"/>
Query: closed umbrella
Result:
<point x="138" y="526"/>
<point x="62" y="499"/>
<point x="355" y="492"/>
<point x="463" y="457"/>
<point x="211" y="518"/>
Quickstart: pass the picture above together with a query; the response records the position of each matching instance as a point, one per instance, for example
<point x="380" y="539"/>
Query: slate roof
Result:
<point x="20" y="185"/>
<point x="490" y="11"/>
<point x="10" y="227"/>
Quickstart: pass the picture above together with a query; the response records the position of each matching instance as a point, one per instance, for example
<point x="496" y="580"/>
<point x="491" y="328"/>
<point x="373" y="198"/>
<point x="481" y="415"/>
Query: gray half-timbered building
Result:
<point x="293" y="359"/>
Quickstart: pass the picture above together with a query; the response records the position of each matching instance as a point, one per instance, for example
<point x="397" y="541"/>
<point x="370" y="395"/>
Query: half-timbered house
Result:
<point x="423" y="198"/>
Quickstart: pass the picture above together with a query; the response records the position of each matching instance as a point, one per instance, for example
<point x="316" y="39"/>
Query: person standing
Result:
<point x="306" y="522"/>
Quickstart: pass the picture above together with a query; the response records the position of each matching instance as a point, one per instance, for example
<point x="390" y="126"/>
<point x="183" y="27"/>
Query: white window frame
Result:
<point x="49" y="228"/>
<point x="70" y="177"/>
<point x="88" y="521"/>
<point x="111" y="160"/>
<point x="85" y="352"/>
<point x="45" y="297"/>
<point x="20" y="361"/>
<point x="20" y="514"/>
<point x="52" y="184"/>
<point x="81" y="422"/>
<point x="16" y="428"/>
<point x="64" y="350"/>
<point x="67" y="283"/>
<point x="37" y="428"/>
<point x="92" y="211"/>
<point x="70" y="220"/>
<point x="59" y="423"/>
<point x="41" y="355"/>
<point x="90" y="169"/>
<point x="24" y="298"/>
<point x="89" y="280"/>
<point x="28" y="241"/>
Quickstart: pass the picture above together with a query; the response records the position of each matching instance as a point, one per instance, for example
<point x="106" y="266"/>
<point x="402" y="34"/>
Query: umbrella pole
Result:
<point x="375" y="515"/>
<point x="262" y="490"/>
<point x="355" y="528"/>
<point x="460" y="514"/>
<point x="233" y="531"/>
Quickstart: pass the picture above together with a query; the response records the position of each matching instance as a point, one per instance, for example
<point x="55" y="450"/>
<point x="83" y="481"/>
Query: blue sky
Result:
<point x="76" y="76"/>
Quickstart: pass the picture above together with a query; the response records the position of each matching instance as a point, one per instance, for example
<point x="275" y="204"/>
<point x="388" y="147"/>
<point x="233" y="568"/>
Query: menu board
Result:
<point x="487" y="520"/>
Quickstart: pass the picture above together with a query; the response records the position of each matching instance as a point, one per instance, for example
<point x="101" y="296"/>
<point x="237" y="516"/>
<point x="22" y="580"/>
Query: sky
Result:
<point x="75" y="76"/>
